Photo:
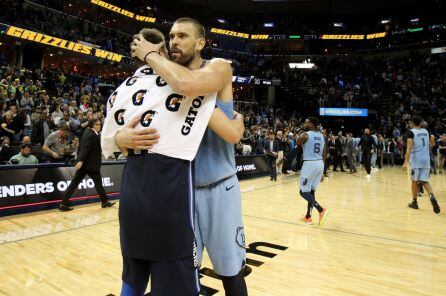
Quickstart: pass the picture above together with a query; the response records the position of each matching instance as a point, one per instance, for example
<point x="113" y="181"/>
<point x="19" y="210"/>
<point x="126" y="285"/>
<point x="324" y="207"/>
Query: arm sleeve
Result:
<point x="410" y="134"/>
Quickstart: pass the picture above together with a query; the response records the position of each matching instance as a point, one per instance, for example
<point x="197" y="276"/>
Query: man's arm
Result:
<point x="204" y="81"/>
<point x="432" y="141"/>
<point x="48" y="150"/>
<point x="408" y="152"/>
<point x="229" y="130"/>
<point x="302" y="139"/>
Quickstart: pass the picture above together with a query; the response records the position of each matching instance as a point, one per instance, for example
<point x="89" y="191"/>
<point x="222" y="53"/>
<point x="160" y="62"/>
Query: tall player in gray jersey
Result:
<point x="219" y="225"/>
<point x="314" y="153"/>
<point x="418" y="157"/>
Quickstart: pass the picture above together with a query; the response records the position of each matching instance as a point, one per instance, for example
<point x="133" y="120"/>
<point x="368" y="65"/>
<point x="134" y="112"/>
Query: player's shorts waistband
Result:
<point x="313" y="160"/>
<point x="213" y="184"/>
<point x="133" y="152"/>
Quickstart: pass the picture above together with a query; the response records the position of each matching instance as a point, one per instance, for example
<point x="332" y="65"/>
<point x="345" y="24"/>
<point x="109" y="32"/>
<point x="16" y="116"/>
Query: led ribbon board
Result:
<point x="350" y="112"/>
<point x="124" y="12"/>
<point x="59" y="43"/>
<point x="229" y="33"/>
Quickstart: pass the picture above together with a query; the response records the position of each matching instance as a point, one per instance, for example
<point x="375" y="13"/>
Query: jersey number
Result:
<point x="424" y="143"/>
<point x="317" y="148"/>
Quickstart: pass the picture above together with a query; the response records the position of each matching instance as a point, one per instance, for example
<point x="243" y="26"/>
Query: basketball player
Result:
<point x="418" y="157"/>
<point x="156" y="210"/>
<point x="314" y="153"/>
<point x="217" y="186"/>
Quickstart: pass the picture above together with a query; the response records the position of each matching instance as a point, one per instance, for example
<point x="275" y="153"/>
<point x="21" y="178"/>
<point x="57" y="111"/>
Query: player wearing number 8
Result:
<point x="314" y="153"/>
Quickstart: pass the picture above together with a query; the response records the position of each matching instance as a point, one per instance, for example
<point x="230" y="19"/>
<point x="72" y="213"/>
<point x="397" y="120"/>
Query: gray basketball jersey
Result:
<point x="314" y="146"/>
<point x="420" y="158"/>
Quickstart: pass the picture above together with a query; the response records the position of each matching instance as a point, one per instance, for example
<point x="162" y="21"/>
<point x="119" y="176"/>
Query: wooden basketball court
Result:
<point x="371" y="244"/>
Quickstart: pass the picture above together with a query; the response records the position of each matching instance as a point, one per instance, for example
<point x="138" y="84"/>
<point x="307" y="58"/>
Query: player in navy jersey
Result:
<point x="418" y="157"/>
<point x="216" y="181"/>
<point x="157" y="193"/>
<point x="314" y="153"/>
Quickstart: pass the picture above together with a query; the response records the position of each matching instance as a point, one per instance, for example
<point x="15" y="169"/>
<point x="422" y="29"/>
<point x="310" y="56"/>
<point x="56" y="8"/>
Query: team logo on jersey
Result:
<point x="147" y="117"/>
<point x="113" y="99"/>
<point x="147" y="71"/>
<point x="131" y="80"/>
<point x="304" y="181"/>
<point x="138" y="97"/>
<point x="240" y="237"/>
<point x="160" y="82"/>
<point x="119" y="116"/>
<point x="173" y="102"/>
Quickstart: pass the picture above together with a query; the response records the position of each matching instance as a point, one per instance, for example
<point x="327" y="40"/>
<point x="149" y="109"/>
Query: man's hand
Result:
<point x="78" y="165"/>
<point x="56" y="155"/>
<point x="140" y="47"/>
<point x="129" y="138"/>
<point x="404" y="167"/>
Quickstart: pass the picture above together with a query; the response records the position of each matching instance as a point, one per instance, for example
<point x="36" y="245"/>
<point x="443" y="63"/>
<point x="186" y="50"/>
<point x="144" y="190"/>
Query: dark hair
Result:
<point x="23" y="146"/>
<point x="314" y="121"/>
<point x="199" y="29"/>
<point x="416" y="120"/>
<point x="152" y="35"/>
<point x="92" y="121"/>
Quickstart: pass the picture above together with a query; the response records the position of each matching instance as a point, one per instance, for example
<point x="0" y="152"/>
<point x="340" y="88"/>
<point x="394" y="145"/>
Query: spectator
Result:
<point x="7" y="126"/>
<point x="442" y="153"/>
<point x="271" y="150"/>
<point x="26" y="140"/>
<point x="24" y="157"/>
<point x="55" y="144"/>
<point x="41" y="129"/>
<point x="57" y="115"/>
<point x="6" y="152"/>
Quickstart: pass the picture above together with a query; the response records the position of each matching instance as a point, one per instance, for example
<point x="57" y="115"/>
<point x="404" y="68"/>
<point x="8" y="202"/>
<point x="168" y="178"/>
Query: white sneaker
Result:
<point x="368" y="177"/>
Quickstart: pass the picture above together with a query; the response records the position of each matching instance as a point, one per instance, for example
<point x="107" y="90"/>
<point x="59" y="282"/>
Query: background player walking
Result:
<point x="418" y="157"/>
<point x="314" y="153"/>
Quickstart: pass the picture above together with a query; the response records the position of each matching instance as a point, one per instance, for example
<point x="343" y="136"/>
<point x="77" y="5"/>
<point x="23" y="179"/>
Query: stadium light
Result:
<point x="415" y="20"/>
<point x="149" y="8"/>
<point x="268" y="25"/>
<point x="385" y="22"/>
<point x="338" y="25"/>
<point x="221" y="21"/>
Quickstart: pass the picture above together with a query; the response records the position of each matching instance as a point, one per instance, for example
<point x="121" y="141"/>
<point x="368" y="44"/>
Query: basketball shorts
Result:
<point x="311" y="175"/>
<point x="219" y="226"/>
<point x="156" y="211"/>
<point x="173" y="278"/>
<point x="420" y="174"/>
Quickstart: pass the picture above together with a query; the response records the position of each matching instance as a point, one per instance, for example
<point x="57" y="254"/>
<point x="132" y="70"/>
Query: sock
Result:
<point x="309" y="209"/>
<point x="235" y="285"/>
<point x="432" y="196"/>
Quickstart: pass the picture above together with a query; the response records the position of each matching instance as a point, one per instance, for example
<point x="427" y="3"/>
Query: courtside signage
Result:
<point x="352" y="112"/>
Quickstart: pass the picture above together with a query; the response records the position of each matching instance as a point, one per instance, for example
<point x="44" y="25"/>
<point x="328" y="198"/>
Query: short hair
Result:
<point x="23" y="146"/>
<point x="199" y="29"/>
<point x="314" y="121"/>
<point x="416" y="120"/>
<point x="92" y="121"/>
<point x="152" y="35"/>
<point x="65" y="128"/>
